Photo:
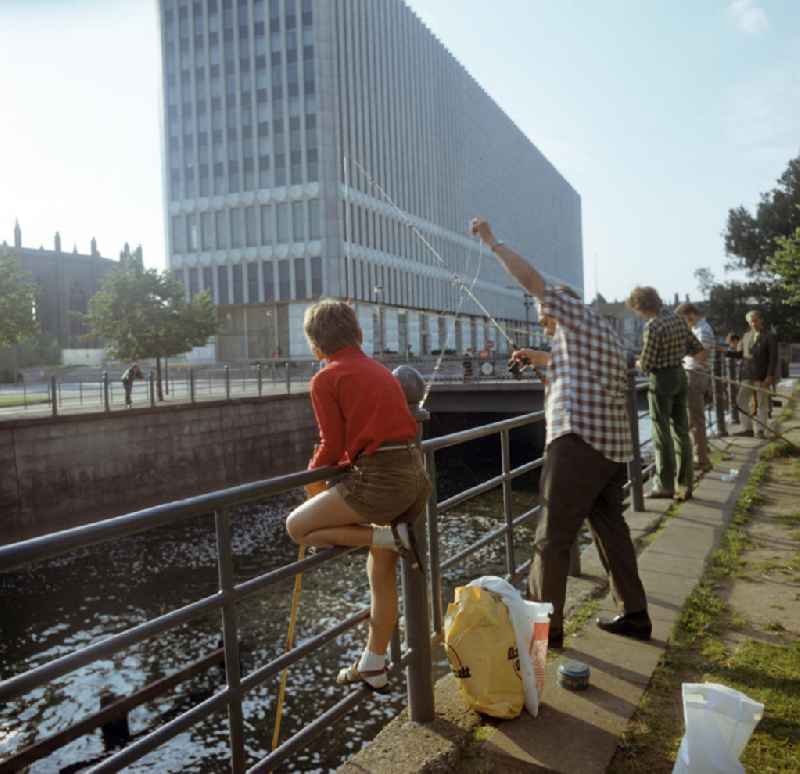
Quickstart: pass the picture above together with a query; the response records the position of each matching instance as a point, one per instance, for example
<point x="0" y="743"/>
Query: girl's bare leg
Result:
<point x="381" y="564"/>
<point x="327" y="520"/>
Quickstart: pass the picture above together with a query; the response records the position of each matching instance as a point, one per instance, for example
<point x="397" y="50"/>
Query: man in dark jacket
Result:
<point x="759" y="364"/>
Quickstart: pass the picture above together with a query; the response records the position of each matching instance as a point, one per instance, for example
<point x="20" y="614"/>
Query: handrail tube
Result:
<point x="527" y="468"/>
<point x="36" y="549"/>
<point x="489" y="537"/>
<point x="472" y="434"/>
<point x="260" y="582"/>
<point x="119" y="707"/>
<point x="37" y="676"/>
<point x="318" y="726"/>
<point x="468" y="494"/>
<point x="139" y="748"/>
<point x="272" y="668"/>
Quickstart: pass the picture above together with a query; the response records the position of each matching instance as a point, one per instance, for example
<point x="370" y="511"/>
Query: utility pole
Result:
<point x="528" y="302"/>
<point x="378" y="289"/>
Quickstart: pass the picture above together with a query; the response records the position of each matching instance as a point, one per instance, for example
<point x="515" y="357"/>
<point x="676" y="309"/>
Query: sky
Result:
<point x="661" y="114"/>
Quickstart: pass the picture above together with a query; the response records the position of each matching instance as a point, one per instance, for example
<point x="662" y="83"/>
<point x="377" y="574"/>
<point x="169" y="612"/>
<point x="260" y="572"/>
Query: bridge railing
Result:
<point x="103" y="391"/>
<point x="416" y="599"/>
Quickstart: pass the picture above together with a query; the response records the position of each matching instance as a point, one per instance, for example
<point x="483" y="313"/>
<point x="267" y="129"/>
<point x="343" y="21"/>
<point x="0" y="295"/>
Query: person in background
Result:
<point x="128" y="376"/>
<point x="759" y="353"/>
<point x="466" y="364"/>
<point x="667" y="340"/>
<point x="587" y="445"/>
<point x="698" y="381"/>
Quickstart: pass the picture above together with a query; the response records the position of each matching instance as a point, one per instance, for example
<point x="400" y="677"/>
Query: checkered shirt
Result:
<point x="667" y="339"/>
<point x="587" y="393"/>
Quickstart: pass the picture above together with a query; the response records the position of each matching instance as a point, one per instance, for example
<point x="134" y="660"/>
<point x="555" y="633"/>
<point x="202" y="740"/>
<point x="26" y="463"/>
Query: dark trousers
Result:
<point x="668" y="402"/>
<point x="577" y="483"/>
<point x="128" y="389"/>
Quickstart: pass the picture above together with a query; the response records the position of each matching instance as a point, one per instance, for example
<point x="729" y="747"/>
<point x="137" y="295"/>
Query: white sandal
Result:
<point x="351" y="676"/>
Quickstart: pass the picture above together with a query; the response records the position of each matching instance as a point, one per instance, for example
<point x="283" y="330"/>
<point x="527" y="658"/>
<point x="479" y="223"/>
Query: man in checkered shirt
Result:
<point x="587" y="445"/>
<point x="667" y="340"/>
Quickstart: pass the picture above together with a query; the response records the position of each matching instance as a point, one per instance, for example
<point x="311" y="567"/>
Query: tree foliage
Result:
<point x="142" y="313"/>
<point x="785" y="263"/>
<point x="17" y="302"/>
<point x="751" y="239"/>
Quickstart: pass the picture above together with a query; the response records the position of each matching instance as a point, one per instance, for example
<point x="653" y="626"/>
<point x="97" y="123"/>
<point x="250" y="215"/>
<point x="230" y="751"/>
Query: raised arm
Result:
<point x="515" y="265"/>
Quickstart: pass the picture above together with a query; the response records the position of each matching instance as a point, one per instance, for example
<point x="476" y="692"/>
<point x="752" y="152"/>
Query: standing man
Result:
<point x="698" y="381"/>
<point x="667" y="339"/>
<point x="131" y="373"/>
<point x="588" y="435"/>
<point x="759" y="364"/>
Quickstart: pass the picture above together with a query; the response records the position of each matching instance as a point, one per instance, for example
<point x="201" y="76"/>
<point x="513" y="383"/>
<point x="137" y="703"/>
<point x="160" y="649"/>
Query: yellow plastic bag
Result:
<point x="482" y="651"/>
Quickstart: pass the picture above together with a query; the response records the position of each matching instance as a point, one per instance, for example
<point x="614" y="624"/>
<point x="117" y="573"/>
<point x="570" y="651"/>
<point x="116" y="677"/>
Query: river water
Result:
<point x="56" y="607"/>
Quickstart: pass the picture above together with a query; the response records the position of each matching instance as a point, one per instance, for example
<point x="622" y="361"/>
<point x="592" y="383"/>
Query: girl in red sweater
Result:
<point x="364" y="422"/>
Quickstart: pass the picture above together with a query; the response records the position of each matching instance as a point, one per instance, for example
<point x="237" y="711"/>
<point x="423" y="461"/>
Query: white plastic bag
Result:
<point x="719" y="723"/>
<point x="531" y="622"/>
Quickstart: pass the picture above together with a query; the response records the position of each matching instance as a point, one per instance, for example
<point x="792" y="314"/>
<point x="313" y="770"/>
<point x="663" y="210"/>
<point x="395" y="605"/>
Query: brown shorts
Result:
<point x="387" y="487"/>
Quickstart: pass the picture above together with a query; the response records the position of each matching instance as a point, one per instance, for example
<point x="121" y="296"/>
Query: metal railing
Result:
<point x="416" y="597"/>
<point x="103" y="391"/>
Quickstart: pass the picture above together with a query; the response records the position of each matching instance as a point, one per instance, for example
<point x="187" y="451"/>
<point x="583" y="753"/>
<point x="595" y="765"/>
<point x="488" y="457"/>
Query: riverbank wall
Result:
<point x="60" y="472"/>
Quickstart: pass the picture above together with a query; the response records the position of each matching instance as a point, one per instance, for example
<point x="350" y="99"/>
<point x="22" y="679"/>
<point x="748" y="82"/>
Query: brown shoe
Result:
<point x="659" y="494"/>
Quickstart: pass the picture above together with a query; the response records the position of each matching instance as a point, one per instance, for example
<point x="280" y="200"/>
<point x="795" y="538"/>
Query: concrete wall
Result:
<point x="57" y="473"/>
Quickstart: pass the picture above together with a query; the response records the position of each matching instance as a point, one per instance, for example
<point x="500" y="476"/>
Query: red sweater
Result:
<point x="359" y="405"/>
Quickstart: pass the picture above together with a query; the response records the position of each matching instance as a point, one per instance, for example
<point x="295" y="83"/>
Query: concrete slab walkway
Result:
<point x="578" y="732"/>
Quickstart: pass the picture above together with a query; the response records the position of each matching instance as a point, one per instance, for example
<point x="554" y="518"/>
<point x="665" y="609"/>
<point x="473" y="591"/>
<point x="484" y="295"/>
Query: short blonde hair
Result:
<point x="331" y="325"/>
<point x="644" y="299"/>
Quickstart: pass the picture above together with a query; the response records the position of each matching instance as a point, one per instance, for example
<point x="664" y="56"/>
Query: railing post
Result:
<point x="227" y="382"/>
<point x="230" y="639"/>
<point x="635" y="465"/>
<point x="53" y="396"/>
<point x="106" y="403"/>
<point x="152" y="384"/>
<point x="259" y="378"/>
<point x="732" y="391"/>
<point x="191" y="384"/>
<point x="505" y="453"/>
<point x="719" y="393"/>
<point x="288" y="379"/>
<point x="419" y="677"/>
<point x="432" y="522"/>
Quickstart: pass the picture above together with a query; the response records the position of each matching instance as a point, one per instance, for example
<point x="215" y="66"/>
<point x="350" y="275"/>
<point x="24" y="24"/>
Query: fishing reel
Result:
<point x="517" y="365"/>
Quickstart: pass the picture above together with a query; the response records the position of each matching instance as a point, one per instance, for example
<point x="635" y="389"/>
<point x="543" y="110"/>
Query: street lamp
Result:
<point x="527" y="302"/>
<point x="378" y="290"/>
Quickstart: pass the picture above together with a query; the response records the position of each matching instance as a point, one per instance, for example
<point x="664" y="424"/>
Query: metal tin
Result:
<point x="573" y="675"/>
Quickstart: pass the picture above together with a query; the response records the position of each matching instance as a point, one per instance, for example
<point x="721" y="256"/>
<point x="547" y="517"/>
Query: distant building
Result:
<point x="627" y="324"/>
<point x="275" y="112"/>
<point x="65" y="282"/>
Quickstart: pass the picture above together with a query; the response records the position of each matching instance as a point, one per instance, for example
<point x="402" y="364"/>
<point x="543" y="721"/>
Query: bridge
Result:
<point x="410" y="652"/>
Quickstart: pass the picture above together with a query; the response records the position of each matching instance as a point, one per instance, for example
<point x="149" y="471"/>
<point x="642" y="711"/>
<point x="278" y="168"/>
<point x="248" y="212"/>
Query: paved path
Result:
<point x="578" y="733"/>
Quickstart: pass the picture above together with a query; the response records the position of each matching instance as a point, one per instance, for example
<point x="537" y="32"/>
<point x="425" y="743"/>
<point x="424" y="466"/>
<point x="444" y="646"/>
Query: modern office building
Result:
<point x="284" y="119"/>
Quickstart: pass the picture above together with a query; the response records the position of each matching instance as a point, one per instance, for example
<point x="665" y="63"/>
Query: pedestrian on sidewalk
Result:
<point x="698" y="380"/>
<point x="759" y="365"/>
<point x="466" y="364"/>
<point x="129" y="375"/>
<point x="667" y="340"/>
<point x="588" y="433"/>
<point x="364" y="421"/>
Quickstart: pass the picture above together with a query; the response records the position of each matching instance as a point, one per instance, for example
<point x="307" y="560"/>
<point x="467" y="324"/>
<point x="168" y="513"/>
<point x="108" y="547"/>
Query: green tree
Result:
<point x="705" y="280"/>
<point x="785" y="263"/>
<point x="142" y="313"/>
<point x="750" y="239"/>
<point x="17" y="302"/>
